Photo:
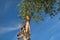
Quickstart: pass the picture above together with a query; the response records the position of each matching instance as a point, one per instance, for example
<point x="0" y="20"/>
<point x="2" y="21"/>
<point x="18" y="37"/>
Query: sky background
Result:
<point x="49" y="29"/>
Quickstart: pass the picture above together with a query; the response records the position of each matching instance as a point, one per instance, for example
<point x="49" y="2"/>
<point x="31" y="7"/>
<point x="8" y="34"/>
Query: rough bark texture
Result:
<point x="25" y="31"/>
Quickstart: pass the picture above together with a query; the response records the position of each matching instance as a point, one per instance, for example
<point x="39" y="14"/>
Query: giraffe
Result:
<point x="21" y="34"/>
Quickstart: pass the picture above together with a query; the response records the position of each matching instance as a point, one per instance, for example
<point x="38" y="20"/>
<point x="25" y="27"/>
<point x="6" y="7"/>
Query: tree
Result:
<point x="31" y="10"/>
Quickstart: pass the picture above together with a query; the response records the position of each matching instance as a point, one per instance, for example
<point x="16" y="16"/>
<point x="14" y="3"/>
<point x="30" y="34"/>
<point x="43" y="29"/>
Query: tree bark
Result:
<point x="25" y="31"/>
<point x="27" y="27"/>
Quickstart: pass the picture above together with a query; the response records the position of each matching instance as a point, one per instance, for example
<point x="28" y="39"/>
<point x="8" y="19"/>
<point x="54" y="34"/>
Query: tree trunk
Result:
<point x="27" y="28"/>
<point x="25" y="31"/>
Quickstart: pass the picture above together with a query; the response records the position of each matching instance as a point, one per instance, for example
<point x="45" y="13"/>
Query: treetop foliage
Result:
<point x="33" y="8"/>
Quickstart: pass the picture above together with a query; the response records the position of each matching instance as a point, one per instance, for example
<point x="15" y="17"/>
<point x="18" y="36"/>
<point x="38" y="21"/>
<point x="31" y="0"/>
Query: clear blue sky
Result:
<point x="49" y="29"/>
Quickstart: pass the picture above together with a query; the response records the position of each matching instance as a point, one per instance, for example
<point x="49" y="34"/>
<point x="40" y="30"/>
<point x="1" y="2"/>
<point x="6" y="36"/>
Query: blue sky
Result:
<point x="49" y="29"/>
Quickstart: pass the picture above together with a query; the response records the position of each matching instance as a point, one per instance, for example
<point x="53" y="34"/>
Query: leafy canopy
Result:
<point x="33" y="8"/>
